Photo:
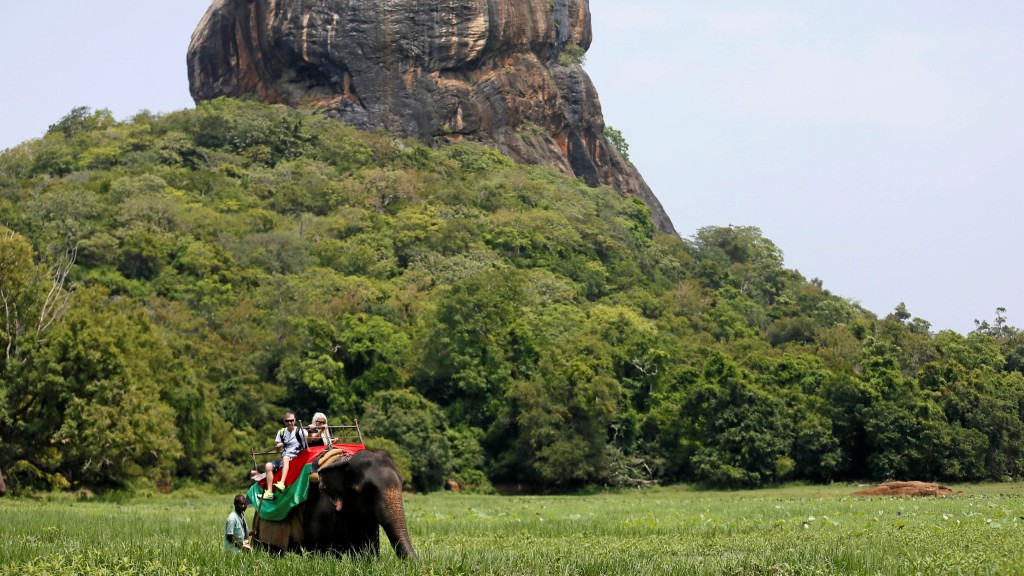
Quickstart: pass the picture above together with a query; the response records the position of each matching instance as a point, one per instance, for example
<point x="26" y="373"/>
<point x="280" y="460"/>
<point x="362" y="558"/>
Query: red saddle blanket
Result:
<point x="306" y="458"/>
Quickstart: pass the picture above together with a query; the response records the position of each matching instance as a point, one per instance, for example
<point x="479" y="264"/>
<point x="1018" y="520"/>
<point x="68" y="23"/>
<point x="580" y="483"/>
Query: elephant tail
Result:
<point x="392" y="517"/>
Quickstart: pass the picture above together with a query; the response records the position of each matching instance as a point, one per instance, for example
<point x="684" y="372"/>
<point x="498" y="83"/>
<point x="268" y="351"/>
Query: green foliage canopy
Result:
<point x="170" y="283"/>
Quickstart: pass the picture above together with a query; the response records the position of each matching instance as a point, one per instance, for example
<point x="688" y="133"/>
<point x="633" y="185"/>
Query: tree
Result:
<point x="468" y="459"/>
<point x="753" y="263"/>
<point x="563" y="418"/>
<point x="464" y="355"/>
<point x="572" y="54"/>
<point x="416" y="425"/>
<point x="980" y="402"/>
<point x="33" y="296"/>
<point x="86" y="407"/>
<point x="81" y="119"/>
<point x="618" y="141"/>
<point x="738" y="434"/>
<point x="998" y="328"/>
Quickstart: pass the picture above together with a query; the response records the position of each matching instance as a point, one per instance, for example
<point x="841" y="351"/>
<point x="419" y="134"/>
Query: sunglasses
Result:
<point x="289" y="421"/>
<point x="321" y="422"/>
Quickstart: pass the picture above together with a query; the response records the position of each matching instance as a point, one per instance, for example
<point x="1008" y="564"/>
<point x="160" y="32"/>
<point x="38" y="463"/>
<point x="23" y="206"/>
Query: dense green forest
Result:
<point x="172" y="282"/>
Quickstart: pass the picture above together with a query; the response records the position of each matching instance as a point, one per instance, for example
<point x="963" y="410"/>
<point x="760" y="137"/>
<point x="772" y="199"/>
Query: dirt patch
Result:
<point x="908" y="489"/>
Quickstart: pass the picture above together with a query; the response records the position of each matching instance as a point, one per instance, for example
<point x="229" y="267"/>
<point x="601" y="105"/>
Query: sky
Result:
<point x="878" y="144"/>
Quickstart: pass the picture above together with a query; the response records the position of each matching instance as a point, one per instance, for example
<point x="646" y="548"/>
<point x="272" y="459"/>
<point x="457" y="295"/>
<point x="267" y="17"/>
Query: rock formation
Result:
<point x="495" y="71"/>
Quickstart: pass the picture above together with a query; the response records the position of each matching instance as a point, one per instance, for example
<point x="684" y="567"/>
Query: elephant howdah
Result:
<point x="296" y="483"/>
<point x="341" y="513"/>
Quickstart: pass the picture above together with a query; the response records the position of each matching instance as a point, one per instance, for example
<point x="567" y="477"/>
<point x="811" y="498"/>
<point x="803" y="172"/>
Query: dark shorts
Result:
<point x="277" y="465"/>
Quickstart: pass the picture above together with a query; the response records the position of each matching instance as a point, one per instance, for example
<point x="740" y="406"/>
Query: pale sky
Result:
<point x="877" y="143"/>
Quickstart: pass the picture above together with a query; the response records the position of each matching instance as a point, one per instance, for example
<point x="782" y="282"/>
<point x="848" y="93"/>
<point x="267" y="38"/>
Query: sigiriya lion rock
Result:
<point x="501" y="72"/>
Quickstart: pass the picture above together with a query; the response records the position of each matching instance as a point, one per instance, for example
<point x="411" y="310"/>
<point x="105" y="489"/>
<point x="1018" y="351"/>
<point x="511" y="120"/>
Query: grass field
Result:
<point x="793" y="530"/>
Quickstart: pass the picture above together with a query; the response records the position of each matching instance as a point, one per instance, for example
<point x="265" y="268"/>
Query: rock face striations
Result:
<point x="495" y="71"/>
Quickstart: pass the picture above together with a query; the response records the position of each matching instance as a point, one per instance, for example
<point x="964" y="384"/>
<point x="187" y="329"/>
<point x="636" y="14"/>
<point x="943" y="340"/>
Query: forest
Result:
<point x="171" y="283"/>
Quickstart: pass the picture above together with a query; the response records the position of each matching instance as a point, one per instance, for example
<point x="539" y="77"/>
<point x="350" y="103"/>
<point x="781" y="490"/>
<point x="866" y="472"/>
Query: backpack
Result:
<point x="300" y="437"/>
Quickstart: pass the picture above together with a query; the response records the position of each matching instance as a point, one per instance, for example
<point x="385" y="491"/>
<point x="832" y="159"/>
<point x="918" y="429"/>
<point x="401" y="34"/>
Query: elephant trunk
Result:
<point x="392" y="517"/>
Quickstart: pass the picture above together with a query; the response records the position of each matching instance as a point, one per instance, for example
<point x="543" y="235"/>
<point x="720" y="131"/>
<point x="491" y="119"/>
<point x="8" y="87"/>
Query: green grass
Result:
<point x="792" y="530"/>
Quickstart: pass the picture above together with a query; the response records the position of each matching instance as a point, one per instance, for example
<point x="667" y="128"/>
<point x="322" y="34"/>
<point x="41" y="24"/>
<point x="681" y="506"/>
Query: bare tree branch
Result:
<point x="58" y="299"/>
<point x="7" y="321"/>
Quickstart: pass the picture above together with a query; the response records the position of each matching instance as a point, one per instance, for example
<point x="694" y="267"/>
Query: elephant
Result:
<point x="344" y="511"/>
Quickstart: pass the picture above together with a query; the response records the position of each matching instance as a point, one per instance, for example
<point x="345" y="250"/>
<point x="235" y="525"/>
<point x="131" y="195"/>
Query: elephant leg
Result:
<point x="367" y="542"/>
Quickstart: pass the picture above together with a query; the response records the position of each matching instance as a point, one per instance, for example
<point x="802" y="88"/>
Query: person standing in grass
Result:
<point x="236" y="531"/>
<point x="289" y="440"/>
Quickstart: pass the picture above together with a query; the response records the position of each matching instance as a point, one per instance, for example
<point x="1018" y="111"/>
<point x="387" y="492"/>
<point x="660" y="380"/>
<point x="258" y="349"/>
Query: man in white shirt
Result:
<point x="289" y="440"/>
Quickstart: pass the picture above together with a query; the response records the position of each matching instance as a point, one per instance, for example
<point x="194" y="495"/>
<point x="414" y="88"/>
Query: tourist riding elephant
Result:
<point x="354" y="498"/>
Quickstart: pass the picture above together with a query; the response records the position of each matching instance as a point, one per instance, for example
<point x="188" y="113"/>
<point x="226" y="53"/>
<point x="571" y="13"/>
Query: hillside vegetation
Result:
<point x="171" y="283"/>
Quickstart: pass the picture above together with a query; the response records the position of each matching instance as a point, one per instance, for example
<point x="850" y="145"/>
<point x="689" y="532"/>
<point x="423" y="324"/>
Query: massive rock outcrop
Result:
<point x="495" y="71"/>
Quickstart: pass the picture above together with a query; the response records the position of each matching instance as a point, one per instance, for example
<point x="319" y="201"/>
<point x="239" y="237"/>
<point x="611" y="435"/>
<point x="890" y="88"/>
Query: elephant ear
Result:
<point x="333" y="473"/>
